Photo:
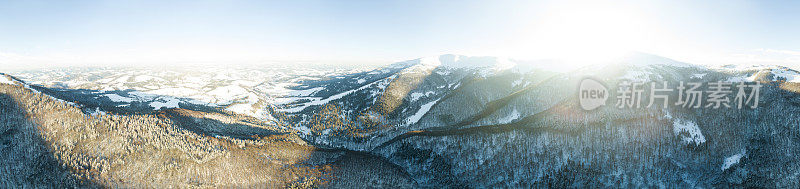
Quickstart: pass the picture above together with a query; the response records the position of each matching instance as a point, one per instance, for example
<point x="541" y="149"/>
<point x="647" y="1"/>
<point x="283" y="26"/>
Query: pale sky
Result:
<point x="71" y="33"/>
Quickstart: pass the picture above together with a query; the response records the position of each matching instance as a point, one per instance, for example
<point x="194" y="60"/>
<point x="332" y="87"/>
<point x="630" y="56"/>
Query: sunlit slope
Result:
<point x="463" y="121"/>
<point x="525" y="128"/>
<point x="149" y="150"/>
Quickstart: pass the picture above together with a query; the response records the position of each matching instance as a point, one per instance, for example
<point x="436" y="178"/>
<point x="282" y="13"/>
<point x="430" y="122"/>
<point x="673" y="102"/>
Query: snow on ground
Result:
<point x="326" y="100"/>
<point x="306" y="92"/>
<point x="193" y="79"/>
<point x="778" y="72"/>
<point x="248" y="107"/>
<point x="6" y="80"/>
<point x="122" y="79"/>
<point x="421" y="112"/>
<point x="98" y="112"/>
<point x="177" y="92"/>
<point x="143" y="78"/>
<point x="244" y="109"/>
<point x="511" y="117"/>
<point x="416" y="95"/>
<point x="286" y="100"/>
<point x="35" y="91"/>
<point x="221" y="76"/>
<point x="699" y="76"/>
<point x="141" y="96"/>
<point x="516" y="82"/>
<point x="170" y="103"/>
<point x="279" y="89"/>
<point x="236" y="88"/>
<point x="730" y="161"/>
<point x="117" y="98"/>
<point x="789" y="75"/>
<point x="382" y="84"/>
<point x="227" y="91"/>
<point x="246" y="83"/>
<point x="694" y="135"/>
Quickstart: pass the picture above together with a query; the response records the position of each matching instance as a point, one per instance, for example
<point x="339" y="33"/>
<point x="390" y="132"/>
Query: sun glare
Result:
<point x="586" y="33"/>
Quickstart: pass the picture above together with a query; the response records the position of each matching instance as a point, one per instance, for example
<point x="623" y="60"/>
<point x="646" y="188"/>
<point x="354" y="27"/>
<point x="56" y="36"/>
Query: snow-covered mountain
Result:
<point x="241" y="89"/>
<point x="464" y="121"/>
<point x="456" y="120"/>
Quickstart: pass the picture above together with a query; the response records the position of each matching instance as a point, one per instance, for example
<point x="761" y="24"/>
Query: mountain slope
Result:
<point x="460" y="121"/>
<point x="534" y="134"/>
<point x="149" y="150"/>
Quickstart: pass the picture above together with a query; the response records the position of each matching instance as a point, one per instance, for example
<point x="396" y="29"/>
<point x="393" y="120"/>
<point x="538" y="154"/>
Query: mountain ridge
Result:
<point x="453" y="125"/>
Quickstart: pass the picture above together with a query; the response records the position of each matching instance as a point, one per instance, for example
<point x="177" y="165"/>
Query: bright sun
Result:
<point x="586" y="32"/>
